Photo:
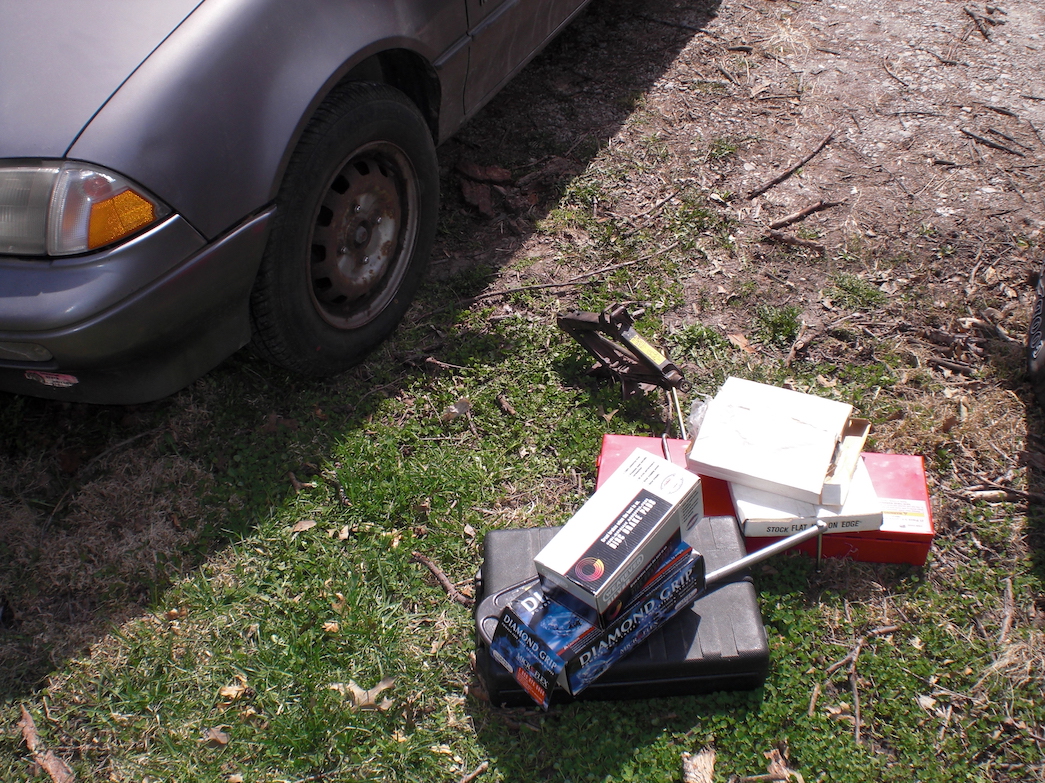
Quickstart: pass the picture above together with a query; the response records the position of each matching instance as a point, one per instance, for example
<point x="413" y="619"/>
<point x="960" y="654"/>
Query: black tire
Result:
<point x="354" y="224"/>
<point x="1036" y="340"/>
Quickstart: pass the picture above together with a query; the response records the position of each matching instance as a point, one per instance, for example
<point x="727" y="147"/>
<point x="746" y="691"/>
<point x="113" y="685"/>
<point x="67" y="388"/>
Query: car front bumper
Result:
<point x="132" y="324"/>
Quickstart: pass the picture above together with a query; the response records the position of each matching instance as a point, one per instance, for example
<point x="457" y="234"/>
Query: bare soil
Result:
<point x="926" y="119"/>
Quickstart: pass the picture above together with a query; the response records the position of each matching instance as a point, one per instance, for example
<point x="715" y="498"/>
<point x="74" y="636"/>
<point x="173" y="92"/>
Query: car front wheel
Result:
<point x="1036" y="340"/>
<point x="354" y="225"/>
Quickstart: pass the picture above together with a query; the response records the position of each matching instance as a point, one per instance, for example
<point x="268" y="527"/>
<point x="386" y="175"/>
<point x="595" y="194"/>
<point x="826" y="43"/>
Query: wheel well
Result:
<point x="409" y="73"/>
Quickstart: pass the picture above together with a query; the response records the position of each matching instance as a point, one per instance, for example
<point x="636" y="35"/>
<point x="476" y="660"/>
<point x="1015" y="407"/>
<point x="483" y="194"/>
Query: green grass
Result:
<point x="287" y="619"/>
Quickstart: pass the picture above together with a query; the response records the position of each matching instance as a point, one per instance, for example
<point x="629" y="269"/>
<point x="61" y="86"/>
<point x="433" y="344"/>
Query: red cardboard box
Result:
<point x="899" y="479"/>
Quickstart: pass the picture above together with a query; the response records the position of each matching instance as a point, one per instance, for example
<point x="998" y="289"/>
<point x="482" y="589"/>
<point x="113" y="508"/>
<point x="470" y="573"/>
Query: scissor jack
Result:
<point x="624" y="355"/>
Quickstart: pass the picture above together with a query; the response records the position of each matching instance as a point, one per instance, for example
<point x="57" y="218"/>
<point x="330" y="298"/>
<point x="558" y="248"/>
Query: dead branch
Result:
<point x="777" y="180"/>
<point x="850" y="661"/>
<point x="786" y="239"/>
<point x="476" y="772"/>
<point x="57" y="770"/>
<point x="979" y="24"/>
<point x="444" y="580"/>
<point x="794" y="217"/>
<point x="799" y="343"/>
<point x="992" y="144"/>
<point x="959" y="367"/>
<point x="856" y="704"/>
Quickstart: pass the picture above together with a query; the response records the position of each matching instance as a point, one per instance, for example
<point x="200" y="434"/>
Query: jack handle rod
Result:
<point x="816" y="529"/>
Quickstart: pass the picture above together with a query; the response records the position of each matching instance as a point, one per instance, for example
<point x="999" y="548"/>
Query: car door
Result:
<point x="505" y="35"/>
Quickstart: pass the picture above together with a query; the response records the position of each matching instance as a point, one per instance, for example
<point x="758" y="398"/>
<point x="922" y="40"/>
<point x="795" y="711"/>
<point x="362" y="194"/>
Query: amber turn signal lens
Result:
<point x="117" y="217"/>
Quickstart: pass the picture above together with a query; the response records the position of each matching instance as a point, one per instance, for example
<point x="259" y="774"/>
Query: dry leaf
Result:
<point x="778" y="769"/>
<point x="740" y="341"/>
<point x="469" y="532"/>
<point x="176" y="614"/>
<point x="365" y="699"/>
<point x="479" y="195"/>
<point x="338" y="605"/>
<point x="215" y="738"/>
<point x="926" y="703"/>
<point x="344" y="533"/>
<point x="229" y="693"/>
<point x="827" y="383"/>
<point x="949" y="424"/>
<point x="459" y="408"/>
<point x="303" y="525"/>
<point x="332" y="626"/>
<point x="235" y="777"/>
<point x="495" y="174"/>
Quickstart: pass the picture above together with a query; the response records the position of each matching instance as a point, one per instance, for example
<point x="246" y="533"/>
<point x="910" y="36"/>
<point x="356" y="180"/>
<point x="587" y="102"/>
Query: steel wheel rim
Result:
<point x="363" y="235"/>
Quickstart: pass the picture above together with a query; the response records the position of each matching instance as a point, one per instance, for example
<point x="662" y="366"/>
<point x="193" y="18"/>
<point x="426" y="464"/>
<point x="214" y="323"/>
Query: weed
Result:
<point x="722" y="148"/>
<point x="778" y="326"/>
<point x="855" y="293"/>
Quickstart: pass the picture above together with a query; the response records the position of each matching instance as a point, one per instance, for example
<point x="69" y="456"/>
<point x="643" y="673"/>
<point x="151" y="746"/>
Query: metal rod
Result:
<point x="678" y="412"/>
<point x="815" y="529"/>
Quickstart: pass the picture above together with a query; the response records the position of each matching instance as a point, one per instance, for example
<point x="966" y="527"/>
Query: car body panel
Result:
<point x="506" y="35"/>
<point x="159" y="339"/>
<point x="55" y="294"/>
<point x="208" y="122"/>
<point x="52" y="84"/>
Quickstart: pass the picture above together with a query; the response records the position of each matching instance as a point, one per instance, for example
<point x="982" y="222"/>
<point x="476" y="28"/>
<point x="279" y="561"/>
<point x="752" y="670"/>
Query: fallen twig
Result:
<point x="777" y="180"/>
<point x="979" y="24"/>
<point x="992" y="144"/>
<point x="725" y="73"/>
<point x="888" y="70"/>
<point x="797" y="345"/>
<point x="578" y="280"/>
<point x="444" y="580"/>
<point x="786" y="239"/>
<point x="57" y="769"/>
<point x="959" y="367"/>
<point x="1006" y="625"/>
<point x="476" y="772"/>
<point x="850" y="661"/>
<point x="794" y="217"/>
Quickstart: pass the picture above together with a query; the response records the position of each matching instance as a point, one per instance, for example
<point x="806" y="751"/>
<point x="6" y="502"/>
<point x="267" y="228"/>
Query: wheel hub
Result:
<point x="359" y="238"/>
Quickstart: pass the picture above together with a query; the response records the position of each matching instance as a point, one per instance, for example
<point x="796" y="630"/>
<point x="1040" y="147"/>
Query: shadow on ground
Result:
<point x="102" y="507"/>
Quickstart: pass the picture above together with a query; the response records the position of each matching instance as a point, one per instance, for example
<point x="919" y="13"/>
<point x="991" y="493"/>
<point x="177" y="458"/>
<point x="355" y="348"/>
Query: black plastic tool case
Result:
<point x="719" y="644"/>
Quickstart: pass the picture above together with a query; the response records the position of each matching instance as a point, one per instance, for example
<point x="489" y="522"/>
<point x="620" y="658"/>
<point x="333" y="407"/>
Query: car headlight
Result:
<point x="61" y="208"/>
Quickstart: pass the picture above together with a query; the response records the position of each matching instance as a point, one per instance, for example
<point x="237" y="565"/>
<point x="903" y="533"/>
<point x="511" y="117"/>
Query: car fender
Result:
<point x="209" y="120"/>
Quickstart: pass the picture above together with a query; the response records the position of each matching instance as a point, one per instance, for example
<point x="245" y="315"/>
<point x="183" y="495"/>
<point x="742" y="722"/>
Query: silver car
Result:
<point x="181" y="177"/>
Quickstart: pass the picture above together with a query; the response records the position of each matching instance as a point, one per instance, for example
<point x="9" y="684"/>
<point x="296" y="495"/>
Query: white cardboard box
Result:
<point x="764" y="513"/>
<point x="769" y="438"/>
<point x="624" y="524"/>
